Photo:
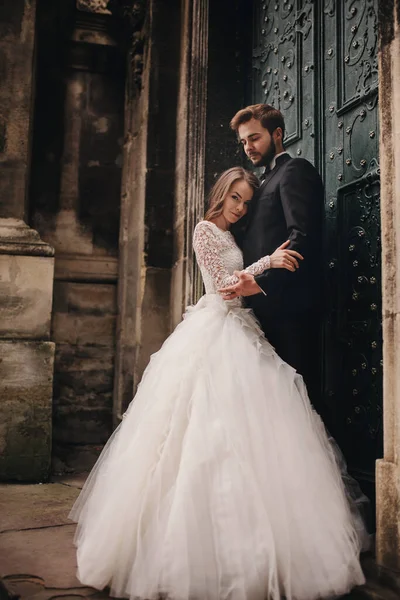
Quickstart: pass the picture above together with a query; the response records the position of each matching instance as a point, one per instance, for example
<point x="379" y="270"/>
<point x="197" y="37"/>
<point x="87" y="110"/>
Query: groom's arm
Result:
<point x="301" y="194"/>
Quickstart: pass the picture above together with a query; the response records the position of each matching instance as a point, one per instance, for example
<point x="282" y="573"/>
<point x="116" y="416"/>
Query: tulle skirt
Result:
<point x="221" y="481"/>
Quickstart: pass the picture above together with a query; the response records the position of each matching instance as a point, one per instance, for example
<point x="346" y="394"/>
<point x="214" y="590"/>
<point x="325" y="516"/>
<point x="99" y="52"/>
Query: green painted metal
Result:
<point x="317" y="62"/>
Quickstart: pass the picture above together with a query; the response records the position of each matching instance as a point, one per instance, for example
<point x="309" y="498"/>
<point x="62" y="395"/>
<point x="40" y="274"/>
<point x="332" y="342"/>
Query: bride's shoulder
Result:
<point x="204" y="226"/>
<point x="204" y="223"/>
<point x="205" y="235"/>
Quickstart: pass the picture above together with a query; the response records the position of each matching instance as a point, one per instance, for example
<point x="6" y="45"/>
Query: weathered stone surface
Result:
<point x="74" y="458"/>
<point x="42" y="552"/>
<point x="84" y="299"/>
<point x="76" y="176"/>
<point x="76" y="425"/>
<point x="78" y="330"/>
<point x="26" y="284"/>
<point x="76" y="480"/>
<point x="94" y="6"/>
<point x="37" y="555"/>
<point x="75" y="192"/>
<point x="155" y="313"/>
<point x="33" y="506"/>
<point x="17" y="30"/>
<point x="191" y="146"/>
<point x="26" y="376"/>
<point x="26" y="266"/>
<point x="84" y="329"/>
<point x="148" y="186"/>
<point x="388" y="469"/>
<point x="86" y="268"/>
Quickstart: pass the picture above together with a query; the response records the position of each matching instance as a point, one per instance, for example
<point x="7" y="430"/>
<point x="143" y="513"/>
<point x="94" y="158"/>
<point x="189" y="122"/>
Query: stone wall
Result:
<point x="75" y="205"/>
<point x="26" y="266"/>
<point x="17" y="34"/>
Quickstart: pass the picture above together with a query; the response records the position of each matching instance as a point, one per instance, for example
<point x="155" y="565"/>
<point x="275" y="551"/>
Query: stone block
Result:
<point x="26" y="287"/>
<point x="26" y="378"/>
<point x="86" y="268"/>
<point x="80" y="426"/>
<point x="84" y="322"/>
<point x="84" y="298"/>
<point x="83" y="394"/>
<point x="75" y="329"/>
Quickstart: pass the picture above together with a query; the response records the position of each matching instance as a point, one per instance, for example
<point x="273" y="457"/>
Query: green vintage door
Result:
<point x="317" y="62"/>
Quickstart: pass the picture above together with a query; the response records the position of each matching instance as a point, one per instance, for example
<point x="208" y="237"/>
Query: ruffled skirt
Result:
<point x="221" y="481"/>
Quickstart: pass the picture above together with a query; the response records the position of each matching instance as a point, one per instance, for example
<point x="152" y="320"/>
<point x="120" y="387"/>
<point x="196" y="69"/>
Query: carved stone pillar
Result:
<point x="26" y="266"/>
<point x="191" y="143"/>
<point x="131" y="246"/>
<point x="388" y="469"/>
<point x="145" y="247"/>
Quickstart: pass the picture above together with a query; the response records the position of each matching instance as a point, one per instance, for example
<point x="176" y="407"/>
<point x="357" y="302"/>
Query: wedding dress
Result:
<point x="221" y="482"/>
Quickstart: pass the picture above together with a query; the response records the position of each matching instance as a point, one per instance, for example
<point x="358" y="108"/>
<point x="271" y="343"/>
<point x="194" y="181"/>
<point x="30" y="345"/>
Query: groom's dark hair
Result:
<point x="270" y="117"/>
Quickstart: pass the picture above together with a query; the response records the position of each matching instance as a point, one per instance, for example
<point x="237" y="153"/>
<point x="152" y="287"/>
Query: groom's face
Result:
<point x="257" y="143"/>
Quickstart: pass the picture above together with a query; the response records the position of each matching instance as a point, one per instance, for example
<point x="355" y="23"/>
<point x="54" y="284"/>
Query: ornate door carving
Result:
<point x="317" y="62"/>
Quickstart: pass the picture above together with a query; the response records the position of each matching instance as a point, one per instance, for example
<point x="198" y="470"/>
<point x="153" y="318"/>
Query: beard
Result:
<point x="267" y="157"/>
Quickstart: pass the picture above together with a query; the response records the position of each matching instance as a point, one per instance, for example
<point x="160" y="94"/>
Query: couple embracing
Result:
<point x="222" y="483"/>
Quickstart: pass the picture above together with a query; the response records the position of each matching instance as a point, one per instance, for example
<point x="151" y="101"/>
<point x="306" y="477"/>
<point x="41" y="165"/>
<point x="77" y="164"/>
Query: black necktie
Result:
<point x="266" y="172"/>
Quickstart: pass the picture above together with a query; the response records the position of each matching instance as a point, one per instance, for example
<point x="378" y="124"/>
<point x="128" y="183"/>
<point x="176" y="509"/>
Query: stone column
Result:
<point x="388" y="469"/>
<point x="190" y="154"/>
<point x="131" y="266"/>
<point x="145" y="246"/>
<point x="26" y="266"/>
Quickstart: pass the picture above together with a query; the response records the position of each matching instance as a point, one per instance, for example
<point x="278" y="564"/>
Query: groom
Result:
<point x="287" y="206"/>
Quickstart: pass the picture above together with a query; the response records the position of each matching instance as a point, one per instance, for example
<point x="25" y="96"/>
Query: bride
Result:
<point x="221" y="482"/>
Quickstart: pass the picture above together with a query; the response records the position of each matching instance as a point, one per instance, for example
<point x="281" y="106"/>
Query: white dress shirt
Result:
<point x="273" y="161"/>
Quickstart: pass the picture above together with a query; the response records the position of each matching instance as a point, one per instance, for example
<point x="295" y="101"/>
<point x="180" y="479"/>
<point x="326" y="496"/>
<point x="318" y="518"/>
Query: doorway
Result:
<point x="317" y="63"/>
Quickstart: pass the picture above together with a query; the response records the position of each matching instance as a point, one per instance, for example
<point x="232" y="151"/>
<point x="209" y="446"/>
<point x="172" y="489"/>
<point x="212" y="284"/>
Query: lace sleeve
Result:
<point x="208" y="253"/>
<point x="260" y="266"/>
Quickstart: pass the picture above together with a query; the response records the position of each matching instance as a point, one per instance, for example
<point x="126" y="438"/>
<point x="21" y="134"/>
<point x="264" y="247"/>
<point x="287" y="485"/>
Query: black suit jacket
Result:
<point x="288" y="205"/>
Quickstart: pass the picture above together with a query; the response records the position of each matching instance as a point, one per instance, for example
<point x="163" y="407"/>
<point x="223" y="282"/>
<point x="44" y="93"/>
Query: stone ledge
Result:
<point x="26" y="290"/>
<point x="17" y="238"/>
<point x="80" y="267"/>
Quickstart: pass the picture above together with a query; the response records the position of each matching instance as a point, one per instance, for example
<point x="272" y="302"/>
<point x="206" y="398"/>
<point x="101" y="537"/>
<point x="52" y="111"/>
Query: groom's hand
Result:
<point x="246" y="286"/>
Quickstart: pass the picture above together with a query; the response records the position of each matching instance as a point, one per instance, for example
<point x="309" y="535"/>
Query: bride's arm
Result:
<point x="259" y="267"/>
<point x="208" y="253"/>
<point x="281" y="258"/>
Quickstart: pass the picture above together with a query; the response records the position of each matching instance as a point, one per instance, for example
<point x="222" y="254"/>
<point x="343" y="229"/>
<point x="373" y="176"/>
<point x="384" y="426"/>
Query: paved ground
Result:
<point x="37" y="555"/>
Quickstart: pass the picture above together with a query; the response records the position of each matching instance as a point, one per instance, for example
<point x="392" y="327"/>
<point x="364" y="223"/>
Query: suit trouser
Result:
<point x="297" y="340"/>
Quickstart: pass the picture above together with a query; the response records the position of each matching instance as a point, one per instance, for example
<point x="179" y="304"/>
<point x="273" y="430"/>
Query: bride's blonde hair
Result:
<point x="222" y="186"/>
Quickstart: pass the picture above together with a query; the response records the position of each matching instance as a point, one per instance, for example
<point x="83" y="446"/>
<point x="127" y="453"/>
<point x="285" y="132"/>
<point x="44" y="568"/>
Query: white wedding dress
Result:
<point x="221" y="482"/>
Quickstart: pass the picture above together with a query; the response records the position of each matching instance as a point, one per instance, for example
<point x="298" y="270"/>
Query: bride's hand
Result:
<point x="283" y="258"/>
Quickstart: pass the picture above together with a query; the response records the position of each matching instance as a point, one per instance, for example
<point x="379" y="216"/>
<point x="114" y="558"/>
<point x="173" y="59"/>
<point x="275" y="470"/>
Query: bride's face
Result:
<point x="236" y="201"/>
